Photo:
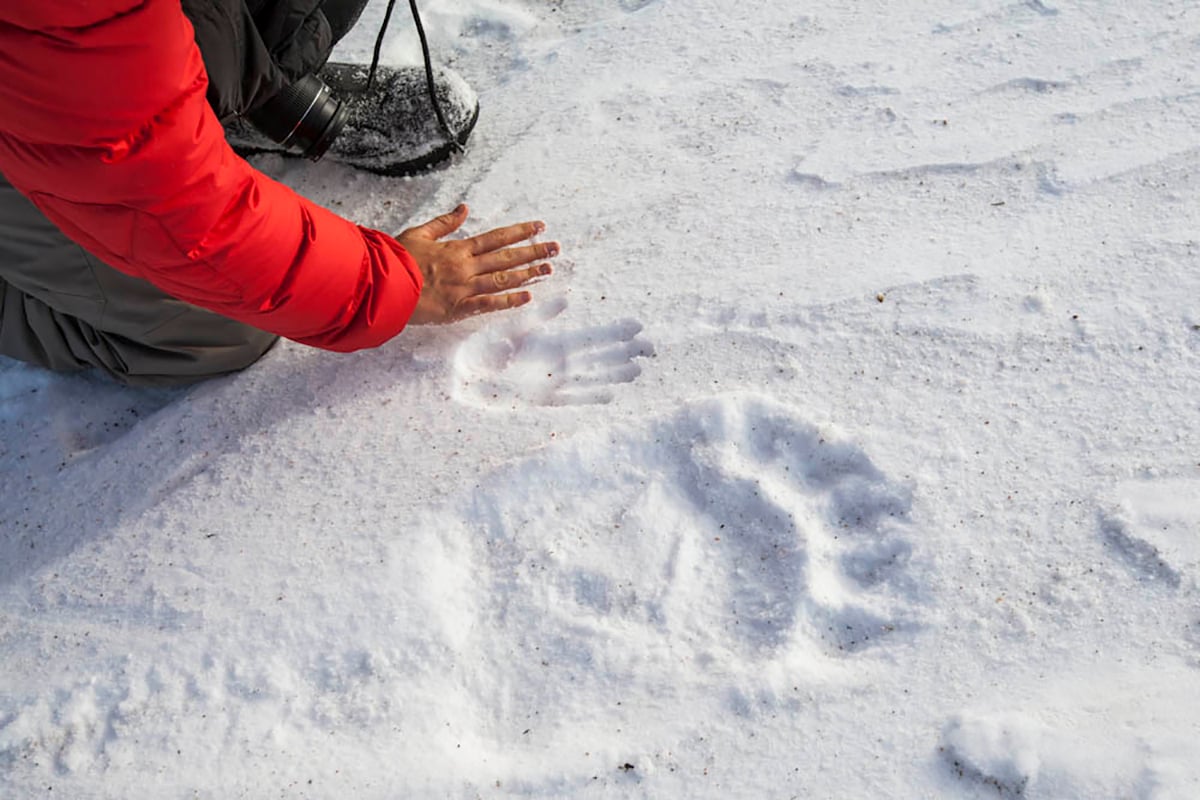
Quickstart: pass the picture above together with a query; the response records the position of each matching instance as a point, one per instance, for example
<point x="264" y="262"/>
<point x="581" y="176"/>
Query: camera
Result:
<point x="304" y="115"/>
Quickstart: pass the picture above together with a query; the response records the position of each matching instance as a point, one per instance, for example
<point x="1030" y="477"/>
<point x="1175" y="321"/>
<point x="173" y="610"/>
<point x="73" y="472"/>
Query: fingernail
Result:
<point x="544" y="269"/>
<point x="552" y="250"/>
<point x="538" y="227"/>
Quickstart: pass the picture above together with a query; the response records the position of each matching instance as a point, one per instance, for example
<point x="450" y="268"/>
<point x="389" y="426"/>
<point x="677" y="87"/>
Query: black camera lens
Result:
<point x="304" y="115"/>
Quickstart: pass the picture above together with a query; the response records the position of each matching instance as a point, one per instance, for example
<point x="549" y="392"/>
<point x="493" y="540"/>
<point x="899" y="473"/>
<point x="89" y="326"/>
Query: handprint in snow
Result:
<point x="521" y="362"/>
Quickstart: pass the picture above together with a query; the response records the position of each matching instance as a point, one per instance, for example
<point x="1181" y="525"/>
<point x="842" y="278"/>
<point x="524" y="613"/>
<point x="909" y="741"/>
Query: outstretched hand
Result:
<point x="464" y="277"/>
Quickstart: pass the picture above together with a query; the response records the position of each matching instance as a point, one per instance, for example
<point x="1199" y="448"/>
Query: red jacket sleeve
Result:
<point x="104" y="125"/>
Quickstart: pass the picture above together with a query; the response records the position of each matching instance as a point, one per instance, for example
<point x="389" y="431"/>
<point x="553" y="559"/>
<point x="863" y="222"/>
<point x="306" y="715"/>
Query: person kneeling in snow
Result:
<point x="136" y="239"/>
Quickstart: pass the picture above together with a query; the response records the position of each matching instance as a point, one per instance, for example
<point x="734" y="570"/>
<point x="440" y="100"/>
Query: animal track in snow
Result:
<point x="1059" y="739"/>
<point x="1151" y="526"/>
<point x="520" y="363"/>
<point x="999" y="751"/>
<point x="732" y="527"/>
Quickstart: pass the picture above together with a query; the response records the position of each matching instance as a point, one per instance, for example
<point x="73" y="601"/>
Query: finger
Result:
<point x="582" y="397"/>
<point x="502" y="280"/>
<point x="487" y="303"/>
<point x="444" y="225"/>
<point x="613" y="355"/>
<point x="511" y="257"/>
<point x="503" y="237"/>
<point x="625" y="373"/>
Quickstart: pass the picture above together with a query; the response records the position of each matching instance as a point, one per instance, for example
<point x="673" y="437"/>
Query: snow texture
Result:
<point x="852" y="451"/>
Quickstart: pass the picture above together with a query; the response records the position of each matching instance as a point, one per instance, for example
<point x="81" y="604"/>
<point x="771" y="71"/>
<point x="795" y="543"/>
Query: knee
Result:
<point x="138" y="365"/>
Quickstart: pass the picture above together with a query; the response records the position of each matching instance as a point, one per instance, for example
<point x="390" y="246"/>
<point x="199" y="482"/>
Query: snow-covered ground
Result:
<point x="852" y="452"/>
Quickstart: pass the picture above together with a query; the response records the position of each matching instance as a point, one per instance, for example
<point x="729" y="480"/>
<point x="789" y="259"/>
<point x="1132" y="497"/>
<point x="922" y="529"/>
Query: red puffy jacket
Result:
<point x="104" y="125"/>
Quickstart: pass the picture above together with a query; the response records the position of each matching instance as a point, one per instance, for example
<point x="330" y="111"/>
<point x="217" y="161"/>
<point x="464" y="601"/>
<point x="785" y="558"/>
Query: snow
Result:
<point x="853" y="450"/>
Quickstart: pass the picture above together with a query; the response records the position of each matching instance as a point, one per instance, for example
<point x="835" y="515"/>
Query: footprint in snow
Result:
<point x="522" y="361"/>
<point x="1151" y="525"/>
<point x="732" y="528"/>
<point x="1114" y="730"/>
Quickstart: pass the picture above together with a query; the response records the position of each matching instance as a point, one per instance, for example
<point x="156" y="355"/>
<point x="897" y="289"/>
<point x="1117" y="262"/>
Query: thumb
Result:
<point x="444" y="225"/>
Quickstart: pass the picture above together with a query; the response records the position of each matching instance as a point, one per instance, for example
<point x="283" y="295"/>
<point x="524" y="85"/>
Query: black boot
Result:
<point x="391" y="127"/>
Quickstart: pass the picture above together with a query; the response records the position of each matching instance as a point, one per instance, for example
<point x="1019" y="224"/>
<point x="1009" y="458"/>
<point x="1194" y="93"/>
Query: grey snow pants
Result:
<point x="63" y="309"/>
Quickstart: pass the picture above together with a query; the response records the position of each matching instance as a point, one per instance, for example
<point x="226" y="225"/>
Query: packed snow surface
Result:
<point x="853" y="450"/>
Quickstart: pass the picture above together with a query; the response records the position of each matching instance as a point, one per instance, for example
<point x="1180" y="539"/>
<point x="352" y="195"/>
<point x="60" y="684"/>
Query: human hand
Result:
<point x="464" y="277"/>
